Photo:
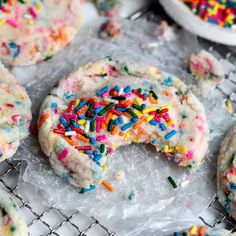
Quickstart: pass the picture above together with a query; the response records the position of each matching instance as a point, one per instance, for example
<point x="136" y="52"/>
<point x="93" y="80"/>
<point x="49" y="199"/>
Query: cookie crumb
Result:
<point x="119" y="175"/>
<point x="111" y="29"/>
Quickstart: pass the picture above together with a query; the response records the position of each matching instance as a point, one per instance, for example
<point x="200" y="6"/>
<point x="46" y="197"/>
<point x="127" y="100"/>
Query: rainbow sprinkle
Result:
<point x="218" y="12"/>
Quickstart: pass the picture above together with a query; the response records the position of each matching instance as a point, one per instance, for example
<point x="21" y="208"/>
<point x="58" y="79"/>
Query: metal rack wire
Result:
<point x="70" y="222"/>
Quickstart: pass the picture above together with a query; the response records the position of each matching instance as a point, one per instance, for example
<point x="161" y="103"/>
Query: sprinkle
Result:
<point x="101" y="137"/>
<point x="173" y="183"/>
<point x="127" y="89"/>
<point x="126" y="126"/>
<point x="102" y="148"/>
<point x="12" y="23"/>
<point x="132" y="113"/>
<point x="42" y="119"/>
<point x="149" y="109"/>
<point x="77" y="130"/>
<point x="63" y="154"/>
<point x="105" y="109"/>
<point x="107" y="185"/>
<point x="229" y="106"/>
<point x="33" y="12"/>
<point x="138" y="101"/>
<point x="118" y="98"/>
<point x="138" y="94"/>
<point x="87" y="126"/>
<point x="162" y="127"/>
<point x="193" y="230"/>
<point x="81" y="122"/>
<point x="137" y="125"/>
<point x="170" y="134"/>
<point x="114" y="130"/>
<point x="92" y="140"/>
<point x="59" y="131"/>
<point x="92" y="126"/>
<point x="70" y="133"/>
<point x="184" y="183"/>
<point x="70" y="141"/>
<point x="103" y="90"/>
<point x="82" y="138"/>
<point x="149" y="118"/>
<point x="153" y="122"/>
<point x="153" y="94"/>
<point x="83" y="148"/>
<point x="84" y="190"/>
<point x="181" y="149"/>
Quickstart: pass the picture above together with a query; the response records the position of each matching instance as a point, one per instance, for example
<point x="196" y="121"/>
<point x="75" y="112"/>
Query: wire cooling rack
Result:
<point x="52" y="221"/>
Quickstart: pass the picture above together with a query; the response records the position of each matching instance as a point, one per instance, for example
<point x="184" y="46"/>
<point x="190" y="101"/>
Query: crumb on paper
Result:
<point x="119" y="175"/>
<point x="111" y="29"/>
<point x="109" y="8"/>
<point x="207" y="69"/>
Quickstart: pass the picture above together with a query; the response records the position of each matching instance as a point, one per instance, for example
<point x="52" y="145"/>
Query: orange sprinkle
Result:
<point x="104" y="103"/>
<point x="201" y="230"/>
<point x="94" y="100"/>
<point x="121" y="133"/>
<point x="70" y="141"/>
<point x="153" y="101"/>
<point x="142" y="131"/>
<point x="108" y="117"/>
<point x="7" y="11"/>
<point x="107" y="185"/>
<point x="115" y="93"/>
<point x="114" y="130"/>
<point x="127" y="103"/>
<point x="142" y="119"/>
<point x="127" y="114"/>
<point x="42" y="119"/>
<point x="82" y="110"/>
<point x="82" y="138"/>
<point x="103" y="125"/>
<point x="11" y="2"/>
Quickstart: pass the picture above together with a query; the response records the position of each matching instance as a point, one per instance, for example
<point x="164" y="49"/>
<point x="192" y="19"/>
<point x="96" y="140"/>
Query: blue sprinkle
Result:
<point x="98" y="163"/>
<point x="143" y="105"/>
<point x="68" y="95"/>
<point x="75" y="124"/>
<point x="145" y="95"/>
<point x="68" y="129"/>
<point x="53" y="105"/>
<point x="153" y="122"/>
<point x="162" y="127"/>
<point x="15" y="50"/>
<point x="103" y="90"/>
<point x="167" y="81"/>
<point x="119" y="120"/>
<point x="170" y="134"/>
<point x="154" y="141"/>
<point x="89" y="154"/>
<point x="92" y="140"/>
<point x="81" y="104"/>
<point x="95" y="152"/>
<point x="134" y="120"/>
<point x="121" y="109"/>
<point x="177" y="234"/>
<point x="83" y="190"/>
<point x="63" y="121"/>
<point x="127" y="126"/>
<point x="117" y="88"/>
<point x="232" y="187"/>
<point x="97" y="158"/>
<point x="98" y="110"/>
<point x="127" y="89"/>
<point x="116" y="122"/>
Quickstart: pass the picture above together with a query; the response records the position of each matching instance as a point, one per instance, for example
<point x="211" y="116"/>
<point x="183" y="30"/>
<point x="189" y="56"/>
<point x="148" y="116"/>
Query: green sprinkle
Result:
<point x="139" y="90"/>
<point x="13" y="228"/>
<point x="105" y="109"/>
<point x="92" y="126"/>
<point x="137" y="107"/>
<point x="173" y="183"/>
<point x="153" y="94"/>
<point x="102" y="148"/>
<point x="131" y="112"/>
<point x="110" y="125"/>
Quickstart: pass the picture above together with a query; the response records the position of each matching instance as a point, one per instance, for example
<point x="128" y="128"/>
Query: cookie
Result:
<point x="32" y="31"/>
<point x="207" y="70"/>
<point x="11" y="221"/>
<point x="226" y="172"/>
<point x="212" y="20"/>
<point x="110" y="103"/>
<point x="15" y="114"/>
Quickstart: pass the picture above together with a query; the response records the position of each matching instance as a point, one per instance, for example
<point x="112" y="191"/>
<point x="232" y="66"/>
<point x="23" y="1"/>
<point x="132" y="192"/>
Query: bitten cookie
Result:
<point x="109" y="103"/>
<point x="32" y="31"/>
<point x="11" y="221"/>
<point x="15" y="114"/>
<point x="226" y="172"/>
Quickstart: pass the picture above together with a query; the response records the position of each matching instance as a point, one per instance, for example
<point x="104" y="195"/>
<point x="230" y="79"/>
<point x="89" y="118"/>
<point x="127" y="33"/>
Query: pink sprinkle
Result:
<point x="96" y="105"/>
<point x="157" y="119"/>
<point x="63" y="154"/>
<point x="126" y="95"/>
<point x="33" y="12"/>
<point x="101" y="137"/>
<point x="166" y="117"/>
<point x="105" y="94"/>
<point x="189" y="155"/>
<point x="70" y="116"/>
<point x="110" y="151"/>
<point x="98" y="125"/>
<point x="16" y="118"/>
<point x="12" y="23"/>
<point x="99" y="118"/>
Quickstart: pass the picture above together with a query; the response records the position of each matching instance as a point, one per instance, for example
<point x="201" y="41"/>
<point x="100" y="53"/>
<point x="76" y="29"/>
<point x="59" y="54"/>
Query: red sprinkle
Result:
<point x="10" y="105"/>
<point x="77" y="130"/>
<point x="114" y="111"/>
<point x="59" y="131"/>
<point x="71" y="106"/>
<point x="138" y="94"/>
<point x="83" y="148"/>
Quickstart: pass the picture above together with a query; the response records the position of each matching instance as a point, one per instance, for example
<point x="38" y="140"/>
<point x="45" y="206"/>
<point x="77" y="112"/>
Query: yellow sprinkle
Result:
<point x="113" y="117"/>
<point x="101" y="70"/>
<point x="149" y="118"/>
<point x="104" y="167"/>
<point x="166" y="148"/>
<point x="153" y="69"/>
<point x="77" y="102"/>
<point x="229" y="106"/>
<point x="138" y="113"/>
<point x="30" y="22"/>
<point x="38" y="6"/>
<point x="81" y="122"/>
<point x="2" y="21"/>
<point x="170" y="122"/>
<point x="181" y="149"/>
<point x="138" y="101"/>
<point x="149" y="109"/>
<point x="193" y="230"/>
<point x="165" y="106"/>
<point x="127" y="134"/>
